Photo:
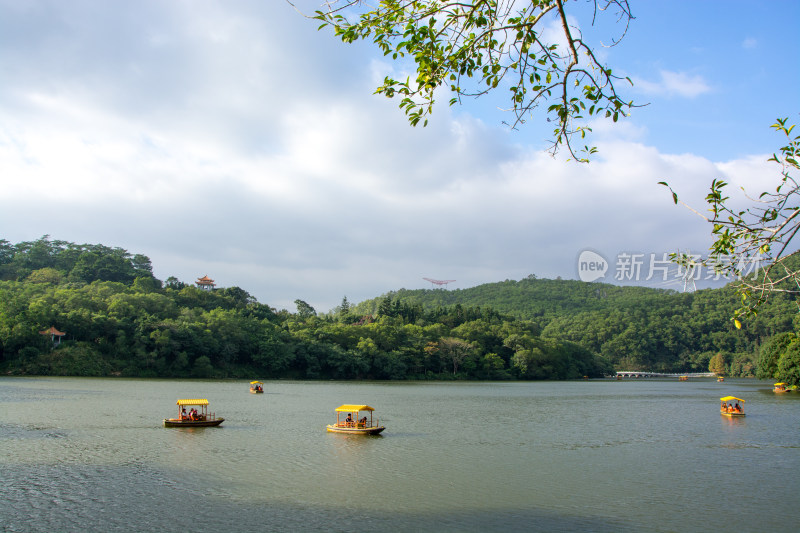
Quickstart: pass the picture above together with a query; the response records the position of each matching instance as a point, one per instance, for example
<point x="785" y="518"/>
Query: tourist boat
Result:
<point x="683" y="378"/>
<point x="357" y="425"/>
<point x="193" y="418"/>
<point x="720" y="379"/>
<point x="780" y="387"/>
<point x="256" y="387"/>
<point x="726" y="409"/>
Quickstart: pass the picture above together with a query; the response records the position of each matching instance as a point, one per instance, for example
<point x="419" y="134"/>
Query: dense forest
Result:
<point x="634" y="328"/>
<point x="118" y="319"/>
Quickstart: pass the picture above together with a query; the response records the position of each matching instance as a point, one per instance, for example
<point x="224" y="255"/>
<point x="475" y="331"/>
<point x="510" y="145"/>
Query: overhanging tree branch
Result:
<point x="472" y="47"/>
<point x="763" y="233"/>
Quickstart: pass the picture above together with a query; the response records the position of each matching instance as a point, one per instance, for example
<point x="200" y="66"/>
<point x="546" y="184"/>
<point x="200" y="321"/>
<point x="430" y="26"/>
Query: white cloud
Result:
<point x="242" y="144"/>
<point x="673" y="84"/>
<point x="749" y="43"/>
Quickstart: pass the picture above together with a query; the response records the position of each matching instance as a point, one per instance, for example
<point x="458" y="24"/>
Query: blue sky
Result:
<point x="235" y="140"/>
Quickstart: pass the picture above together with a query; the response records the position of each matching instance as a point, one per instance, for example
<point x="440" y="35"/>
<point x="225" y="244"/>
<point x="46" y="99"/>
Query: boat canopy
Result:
<point x="256" y="383"/>
<point x="780" y="384"/>
<point x="193" y="402"/>
<point x="348" y="407"/>
<point x="731" y="398"/>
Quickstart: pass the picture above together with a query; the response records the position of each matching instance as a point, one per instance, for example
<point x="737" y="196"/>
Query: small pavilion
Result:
<point x="53" y="332"/>
<point x="205" y="283"/>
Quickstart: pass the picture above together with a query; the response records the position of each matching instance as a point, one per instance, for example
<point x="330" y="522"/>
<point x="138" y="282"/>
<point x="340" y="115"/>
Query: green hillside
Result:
<point x="531" y="298"/>
<point x="118" y="319"/>
<point x="636" y="328"/>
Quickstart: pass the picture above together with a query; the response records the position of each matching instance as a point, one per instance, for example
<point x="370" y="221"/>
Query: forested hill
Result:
<point x="118" y="319"/>
<point x="94" y="310"/>
<point x="633" y="327"/>
<point x="547" y="302"/>
<point x="533" y="297"/>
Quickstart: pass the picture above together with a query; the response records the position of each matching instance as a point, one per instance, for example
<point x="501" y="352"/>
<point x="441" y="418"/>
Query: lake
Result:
<point x="597" y="455"/>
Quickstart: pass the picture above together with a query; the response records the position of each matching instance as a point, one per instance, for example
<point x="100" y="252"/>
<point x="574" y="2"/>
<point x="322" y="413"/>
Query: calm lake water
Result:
<point x="633" y="455"/>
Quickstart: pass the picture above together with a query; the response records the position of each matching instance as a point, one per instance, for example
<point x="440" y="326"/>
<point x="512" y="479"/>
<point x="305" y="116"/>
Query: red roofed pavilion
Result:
<point x="53" y="332"/>
<point x="205" y="283"/>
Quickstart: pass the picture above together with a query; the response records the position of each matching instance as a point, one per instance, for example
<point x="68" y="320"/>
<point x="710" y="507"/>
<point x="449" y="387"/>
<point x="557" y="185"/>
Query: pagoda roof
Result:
<point x="205" y="279"/>
<point x="52" y="331"/>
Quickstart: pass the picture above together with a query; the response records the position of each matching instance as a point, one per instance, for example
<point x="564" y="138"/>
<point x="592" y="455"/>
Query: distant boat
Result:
<point x="256" y="387"/>
<point x="193" y="418"/>
<point x="720" y="379"/>
<point x="683" y="378"/>
<point x="357" y="426"/>
<point x="726" y="409"/>
<point x="781" y="387"/>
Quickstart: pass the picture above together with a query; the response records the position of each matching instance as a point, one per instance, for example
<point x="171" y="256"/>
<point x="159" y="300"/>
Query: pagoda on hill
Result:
<point x="205" y="283"/>
<point x="53" y="332"/>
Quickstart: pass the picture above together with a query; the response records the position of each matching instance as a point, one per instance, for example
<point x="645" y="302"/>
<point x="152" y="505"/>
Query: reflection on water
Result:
<point x="594" y="456"/>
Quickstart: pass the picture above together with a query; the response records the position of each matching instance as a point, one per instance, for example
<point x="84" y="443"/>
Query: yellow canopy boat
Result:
<point x="357" y="426"/>
<point x="780" y="387"/>
<point x="727" y="409"/>
<point x="256" y="387"/>
<point x="193" y="418"/>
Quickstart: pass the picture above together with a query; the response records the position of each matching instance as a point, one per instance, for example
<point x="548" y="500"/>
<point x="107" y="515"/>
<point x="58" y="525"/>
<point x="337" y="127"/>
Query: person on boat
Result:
<point x="193" y="414"/>
<point x="737" y="408"/>
<point x="183" y="414"/>
<point x="349" y="420"/>
<point x="363" y="422"/>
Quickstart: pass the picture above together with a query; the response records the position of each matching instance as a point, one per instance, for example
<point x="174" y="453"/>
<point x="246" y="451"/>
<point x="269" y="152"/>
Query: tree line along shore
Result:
<point x="111" y="317"/>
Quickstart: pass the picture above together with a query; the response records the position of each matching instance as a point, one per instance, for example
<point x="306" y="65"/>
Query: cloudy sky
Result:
<point x="233" y="139"/>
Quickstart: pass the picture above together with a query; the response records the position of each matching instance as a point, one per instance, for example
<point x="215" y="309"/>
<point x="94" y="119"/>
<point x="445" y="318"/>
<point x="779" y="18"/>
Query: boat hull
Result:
<point x="176" y="423"/>
<point x="256" y="391"/>
<point x="732" y="415"/>
<point x="374" y="430"/>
